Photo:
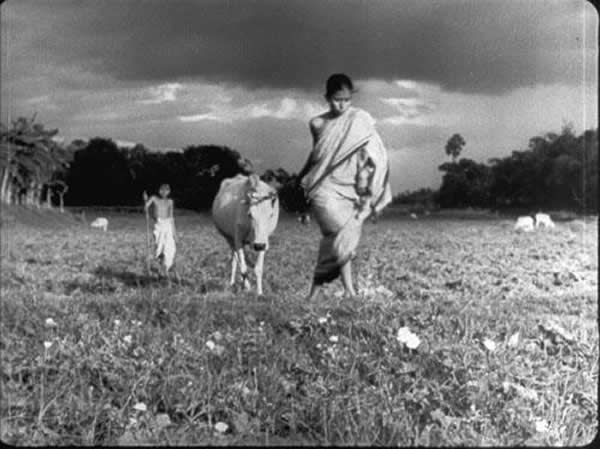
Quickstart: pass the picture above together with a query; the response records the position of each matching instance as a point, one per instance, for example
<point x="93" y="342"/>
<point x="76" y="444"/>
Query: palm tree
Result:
<point x="30" y="157"/>
<point x="454" y="146"/>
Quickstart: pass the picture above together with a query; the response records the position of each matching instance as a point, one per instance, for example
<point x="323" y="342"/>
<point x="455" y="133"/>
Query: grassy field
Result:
<point x="96" y="351"/>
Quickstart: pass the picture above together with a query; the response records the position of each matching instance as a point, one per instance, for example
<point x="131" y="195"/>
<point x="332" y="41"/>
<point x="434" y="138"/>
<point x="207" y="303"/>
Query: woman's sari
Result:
<point x="345" y="147"/>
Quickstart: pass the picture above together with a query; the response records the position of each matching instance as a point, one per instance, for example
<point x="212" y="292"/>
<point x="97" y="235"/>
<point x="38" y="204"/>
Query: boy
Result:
<point x="164" y="226"/>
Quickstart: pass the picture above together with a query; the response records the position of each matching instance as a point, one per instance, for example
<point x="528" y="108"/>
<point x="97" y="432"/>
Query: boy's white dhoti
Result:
<point x="165" y="242"/>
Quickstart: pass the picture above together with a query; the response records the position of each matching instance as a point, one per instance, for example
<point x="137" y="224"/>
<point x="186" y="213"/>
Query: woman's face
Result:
<point x="339" y="102"/>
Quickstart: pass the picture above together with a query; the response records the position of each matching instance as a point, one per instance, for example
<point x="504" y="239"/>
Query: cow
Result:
<point x="524" y="223"/>
<point x="101" y="223"/>
<point x="543" y="220"/>
<point x="245" y="211"/>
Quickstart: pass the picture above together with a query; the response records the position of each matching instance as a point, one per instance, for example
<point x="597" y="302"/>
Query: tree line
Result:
<point x="555" y="171"/>
<point x="36" y="169"/>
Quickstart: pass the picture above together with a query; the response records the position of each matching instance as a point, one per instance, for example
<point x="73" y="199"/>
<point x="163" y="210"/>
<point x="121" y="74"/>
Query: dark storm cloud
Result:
<point x="483" y="46"/>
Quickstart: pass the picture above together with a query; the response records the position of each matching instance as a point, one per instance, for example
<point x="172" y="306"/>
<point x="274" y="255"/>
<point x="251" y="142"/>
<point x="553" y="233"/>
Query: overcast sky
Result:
<point x="250" y="73"/>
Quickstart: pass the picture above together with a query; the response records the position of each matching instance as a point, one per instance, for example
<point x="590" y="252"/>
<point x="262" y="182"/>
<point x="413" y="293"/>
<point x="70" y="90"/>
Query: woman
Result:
<point x="345" y="179"/>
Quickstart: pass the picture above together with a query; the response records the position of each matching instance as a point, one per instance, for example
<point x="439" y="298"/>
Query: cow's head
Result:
<point x="263" y="211"/>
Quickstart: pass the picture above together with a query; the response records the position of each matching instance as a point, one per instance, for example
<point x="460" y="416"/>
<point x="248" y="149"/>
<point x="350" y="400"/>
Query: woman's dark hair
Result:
<point x="338" y="81"/>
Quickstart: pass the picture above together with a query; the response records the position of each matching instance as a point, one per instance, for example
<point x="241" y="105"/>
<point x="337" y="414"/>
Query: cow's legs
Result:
<point x="258" y="270"/>
<point x="234" y="264"/>
<point x="168" y="276"/>
<point x="243" y="268"/>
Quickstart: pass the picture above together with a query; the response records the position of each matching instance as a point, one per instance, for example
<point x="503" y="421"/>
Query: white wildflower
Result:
<point x="528" y="393"/>
<point x="162" y="420"/>
<point x="117" y="322"/>
<point x="210" y="345"/>
<point x="217" y="335"/>
<point x="384" y="291"/>
<point x="403" y="334"/>
<point x="408" y="338"/>
<point x="413" y="342"/>
<point x="322" y="320"/>
<point x="47" y="344"/>
<point x="127" y="339"/>
<point x="524" y="392"/>
<point x="334" y="339"/>
<point x="541" y="426"/>
<point x="140" y="407"/>
<point x="513" y="340"/>
<point x="50" y="322"/>
<point x="219" y="350"/>
<point x="489" y="344"/>
<point x="221" y="427"/>
<point x="531" y="347"/>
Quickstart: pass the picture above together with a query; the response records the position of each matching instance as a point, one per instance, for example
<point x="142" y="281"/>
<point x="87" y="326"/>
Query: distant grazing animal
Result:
<point x="413" y="216"/>
<point x="101" y="223"/>
<point x="524" y="223"/>
<point x="543" y="220"/>
<point x="245" y="211"/>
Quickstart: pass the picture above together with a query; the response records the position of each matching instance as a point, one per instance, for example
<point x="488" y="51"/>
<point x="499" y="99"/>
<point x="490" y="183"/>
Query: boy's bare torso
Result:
<point x="163" y="207"/>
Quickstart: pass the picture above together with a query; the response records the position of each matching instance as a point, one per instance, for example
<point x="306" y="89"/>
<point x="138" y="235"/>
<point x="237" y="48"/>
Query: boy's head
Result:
<point x="164" y="190"/>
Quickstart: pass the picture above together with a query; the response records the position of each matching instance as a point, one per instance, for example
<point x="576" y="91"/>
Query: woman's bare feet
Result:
<point x="350" y="294"/>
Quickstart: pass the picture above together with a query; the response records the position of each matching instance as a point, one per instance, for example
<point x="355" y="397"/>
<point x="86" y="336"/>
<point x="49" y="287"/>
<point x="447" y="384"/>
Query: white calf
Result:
<point x="101" y="223"/>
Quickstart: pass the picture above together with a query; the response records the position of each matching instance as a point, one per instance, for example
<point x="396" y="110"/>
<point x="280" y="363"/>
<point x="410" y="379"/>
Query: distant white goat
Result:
<point x="524" y="224"/>
<point x="543" y="220"/>
<point x="101" y="223"/>
<point x="413" y="216"/>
